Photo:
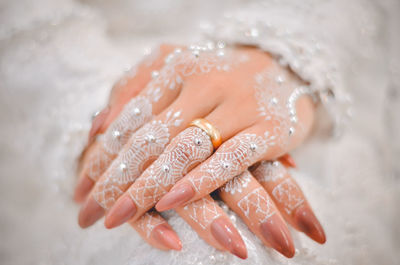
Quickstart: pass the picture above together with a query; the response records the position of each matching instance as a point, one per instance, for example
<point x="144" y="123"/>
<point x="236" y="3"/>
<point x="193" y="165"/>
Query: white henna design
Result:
<point x="288" y="194"/>
<point x="97" y="163"/>
<point x="269" y="171"/>
<point x="181" y="63"/>
<point x="148" y="221"/>
<point x="230" y="160"/>
<point x="136" y="113"/>
<point x="256" y="202"/>
<point x="203" y="211"/>
<point x="238" y="183"/>
<point x="144" y="146"/>
<point x="187" y="149"/>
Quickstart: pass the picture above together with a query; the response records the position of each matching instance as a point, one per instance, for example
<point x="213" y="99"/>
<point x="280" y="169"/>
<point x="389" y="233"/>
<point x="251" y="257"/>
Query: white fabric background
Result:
<point x="58" y="60"/>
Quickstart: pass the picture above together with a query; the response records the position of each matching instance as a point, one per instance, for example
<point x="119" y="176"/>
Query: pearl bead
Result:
<point x="196" y="53"/>
<point x="165" y="168"/>
<point x="253" y="147"/>
<point x="150" y="138"/>
<point x="226" y="165"/>
<point x="136" y="111"/>
<point x="274" y="100"/>
<point x="116" y="134"/>
<point x="220" y="53"/>
<point x="291" y="130"/>
<point x="197" y="141"/>
<point x="154" y="74"/>
<point x="123" y="167"/>
<point x="279" y="79"/>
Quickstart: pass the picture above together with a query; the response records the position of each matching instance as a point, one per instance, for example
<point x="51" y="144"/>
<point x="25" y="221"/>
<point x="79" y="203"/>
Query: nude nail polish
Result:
<point x="90" y="212"/>
<point x="176" y="197"/>
<point x="288" y="160"/>
<point x="309" y="224"/>
<point x="123" y="210"/>
<point x="164" y="235"/>
<point x="98" y="122"/>
<point x="276" y="233"/>
<point x="83" y="188"/>
<point x="227" y="235"/>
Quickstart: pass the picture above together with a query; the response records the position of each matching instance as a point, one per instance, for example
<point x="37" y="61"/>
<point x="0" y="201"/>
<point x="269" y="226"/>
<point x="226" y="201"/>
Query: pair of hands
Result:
<point x="147" y="155"/>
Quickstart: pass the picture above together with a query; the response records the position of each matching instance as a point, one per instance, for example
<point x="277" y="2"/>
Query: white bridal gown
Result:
<point x="58" y="60"/>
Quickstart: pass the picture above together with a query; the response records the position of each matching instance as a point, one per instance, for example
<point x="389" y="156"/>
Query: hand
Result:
<point x="264" y="129"/>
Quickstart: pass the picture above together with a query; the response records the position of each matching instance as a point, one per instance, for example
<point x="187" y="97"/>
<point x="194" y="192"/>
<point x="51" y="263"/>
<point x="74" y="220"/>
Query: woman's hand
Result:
<point x="146" y="149"/>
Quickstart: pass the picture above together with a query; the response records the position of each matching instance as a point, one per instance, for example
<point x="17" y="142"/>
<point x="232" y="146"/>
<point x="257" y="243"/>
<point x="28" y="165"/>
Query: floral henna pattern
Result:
<point x="181" y="63"/>
<point x="144" y="146"/>
<point x="97" y="164"/>
<point x="257" y="203"/>
<point x="203" y="211"/>
<point x="269" y="171"/>
<point x="238" y="183"/>
<point x="230" y="160"/>
<point x="136" y="113"/>
<point x="189" y="148"/>
<point x="277" y="92"/>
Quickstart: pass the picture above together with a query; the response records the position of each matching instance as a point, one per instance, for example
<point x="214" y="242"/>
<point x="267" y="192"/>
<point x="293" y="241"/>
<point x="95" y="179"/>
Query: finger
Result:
<point x="182" y="154"/>
<point x="144" y="146"/>
<point x="134" y="81"/>
<point x="231" y="159"/>
<point x="128" y="87"/>
<point x="155" y="230"/>
<point x="213" y="226"/>
<point x="153" y="99"/>
<point x="141" y="150"/>
<point x="289" y="198"/>
<point x="244" y="195"/>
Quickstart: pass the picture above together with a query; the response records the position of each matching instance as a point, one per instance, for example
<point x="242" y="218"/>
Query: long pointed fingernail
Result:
<point x="227" y="235"/>
<point x="123" y="210"/>
<point x="176" y="197"/>
<point x="83" y="188"/>
<point x="98" y="122"/>
<point x="164" y="235"/>
<point x="309" y="224"/>
<point x="276" y="233"/>
<point x="90" y="212"/>
<point x="288" y="160"/>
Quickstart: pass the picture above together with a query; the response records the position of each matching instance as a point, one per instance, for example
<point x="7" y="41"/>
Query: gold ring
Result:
<point x="210" y="130"/>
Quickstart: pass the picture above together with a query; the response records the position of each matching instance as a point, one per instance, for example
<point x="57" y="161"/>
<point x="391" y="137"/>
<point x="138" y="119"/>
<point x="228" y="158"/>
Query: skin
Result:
<point x="215" y="96"/>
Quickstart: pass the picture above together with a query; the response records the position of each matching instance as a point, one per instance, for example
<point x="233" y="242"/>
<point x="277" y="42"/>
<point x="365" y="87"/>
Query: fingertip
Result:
<point x="178" y="196"/>
<point x="308" y="223"/>
<point x="90" y="212"/>
<point x="164" y="235"/>
<point x="123" y="210"/>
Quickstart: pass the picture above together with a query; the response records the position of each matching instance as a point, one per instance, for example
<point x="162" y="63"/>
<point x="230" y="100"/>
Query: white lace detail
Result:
<point x="238" y="183"/>
<point x="203" y="211"/>
<point x="190" y="147"/>
<point x="258" y="203"/>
